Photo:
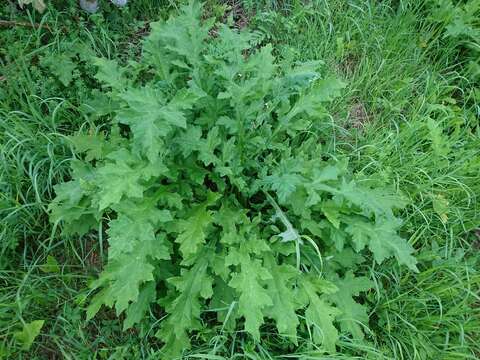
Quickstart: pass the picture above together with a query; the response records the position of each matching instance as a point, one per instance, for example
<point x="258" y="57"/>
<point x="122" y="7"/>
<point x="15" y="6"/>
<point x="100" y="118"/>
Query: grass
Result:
<point x="409" y="116"/>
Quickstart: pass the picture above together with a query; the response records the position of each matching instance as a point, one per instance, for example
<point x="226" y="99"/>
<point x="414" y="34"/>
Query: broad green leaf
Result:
<point x="151" y="118"/>
<point x="285" y="179"/>
<point x="440" y="143"/>
<point x="110" y="73"/>
<point x="72" y="208"/>
<point x="134" y="246"/>
<point x="185" y="309"/>
<point x="312" y="102"/>
<point x="136" y="311"/>
<point x="458" y="27"/>
<point x="61" y="65"/>
<point x="379" y="202"/>
<point x="192" y="231"/>
<point x="93" y="145"/>
<point x="121" y="280"/>
<point x="382" y="240"/>
<point x="320" y="316"/>
<point x="254" y="299"/>
<point x="231" y="219"/>
<point x="127" y="233"/>
<point x="207" y="147"/>
<point x="28" y="334"/>
<point x="224" y="303"/>
<point x="135" y="228"/>
<point x="353" y="318"/>
<point x="190" y="140"/>
<point x="181" y="39"/>
<point x="51" y="265"/>
<point x="284" y="184"/>
<point x="118" y="179"/>
<point x="332" y="213"/>
<point x="280" y="289"/>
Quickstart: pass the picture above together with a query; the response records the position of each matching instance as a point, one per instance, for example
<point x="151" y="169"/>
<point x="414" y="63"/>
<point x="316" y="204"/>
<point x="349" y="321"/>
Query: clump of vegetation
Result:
<point x="204" y="129"/>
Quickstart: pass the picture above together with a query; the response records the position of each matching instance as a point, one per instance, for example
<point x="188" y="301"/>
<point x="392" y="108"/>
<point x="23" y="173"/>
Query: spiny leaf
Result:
<point x="320" y="316"/>
<point x="254" y="299"/>
<point x="353" y="315"/>
<point x="193" y="230"/>
<point x="127" y="232"/>
<point x="379" y="202"/>
<point x="136" y="311"/>
<point x="119" y="178"/>
<point x="91" y="144"/>
<point x="134" y="244"/>
<point x="207" y="147"/>
<point x="382" y="239"/>
<point x="121" y="280"/>
<point x="151" y="118"/>
<point x="183" y="36"/>
<point x="285" y="179"/>
<point x="282" y="294"/>
<point x="312" y="102"/>
<point x="62" y="66"/>
<point x="72" y="208"/>
<point x="184" y="310"/>
<point x="224" y="303"/>
<point x="110" y="73"/>
<point x="51" y="265"/>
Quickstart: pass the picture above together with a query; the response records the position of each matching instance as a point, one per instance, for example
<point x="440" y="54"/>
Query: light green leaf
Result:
<point x="280" y="289"/>
<point x="285" y="179"/>
<point x="382" y="240"/>
<point x="354" y="315"/>
<point x="224" y="303"/>
<point x="440" y="143"/>
<point x="254" y="299"/>
<point x="121" y="280"/>
<point x="134" y="245"/>
<point x="320" y="316"/>
<point x="184" y="310"/>
<point x="72" y="208"/>
<point x="136" y="311"/>
<point x="312" y="102"/>
<point x="379" y="202"/>
<point x="190" y="140"/>
<point x="207" y="147"/>
<point x="91" y="144"/>
<point x="192" y="231"/>
<point x="28" y="334"/>
<point x="118" y="179"/>
<point x="183" y="36"/>
<point x="51" y="265"/>
<point x="110" y="73"/>
<point x="62" y="66"/>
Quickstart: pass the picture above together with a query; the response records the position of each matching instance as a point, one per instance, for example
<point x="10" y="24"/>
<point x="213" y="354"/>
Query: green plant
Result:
<point x="457" y="23"/>
<point x="207" y="126"/>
